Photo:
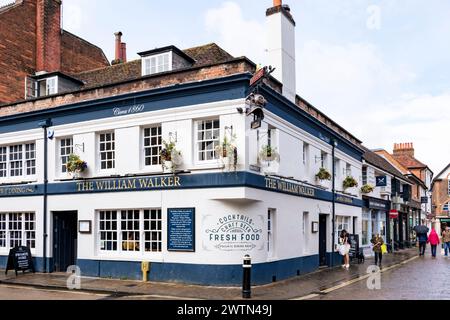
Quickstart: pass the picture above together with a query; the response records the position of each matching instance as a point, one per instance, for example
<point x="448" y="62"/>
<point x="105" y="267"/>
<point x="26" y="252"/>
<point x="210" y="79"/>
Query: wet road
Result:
<point x="423" y="278"/>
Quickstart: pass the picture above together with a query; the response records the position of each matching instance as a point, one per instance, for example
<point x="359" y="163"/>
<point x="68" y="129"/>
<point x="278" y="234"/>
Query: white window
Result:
<point x="208" y="136"/>
<point x="348" y="170"/>
<point x="30" y="159"/>
<point x="130" y="230"/>
<point x="305" y="153"/>
<point x="65" y="150"/>
<point x="270" y="232"/>
<point x="17" y="229"/>
<point x="336" y="168"/>
<point x="107" y="151"/>
<point x="364" y="176"/>
<point x="157" y="63"/>
<point x="152" y="146"/>
<point x="16" y="160"/>
<point x="3" y="162"/>
<point x="51" y="86"/>
<point x="323" y="160"/>
<point x="342" y="223"/>
<point x="305" y="230"/>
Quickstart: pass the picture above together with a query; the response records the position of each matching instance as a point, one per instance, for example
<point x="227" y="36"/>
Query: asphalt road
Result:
<point x="421" y="279"/>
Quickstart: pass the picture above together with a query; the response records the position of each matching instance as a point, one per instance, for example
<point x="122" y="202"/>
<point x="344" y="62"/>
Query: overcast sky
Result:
<point x="379" y="68"/>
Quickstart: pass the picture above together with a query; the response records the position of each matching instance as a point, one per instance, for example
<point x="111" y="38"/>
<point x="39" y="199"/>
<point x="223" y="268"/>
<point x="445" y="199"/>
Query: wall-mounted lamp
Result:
<point x="230" y="130"/>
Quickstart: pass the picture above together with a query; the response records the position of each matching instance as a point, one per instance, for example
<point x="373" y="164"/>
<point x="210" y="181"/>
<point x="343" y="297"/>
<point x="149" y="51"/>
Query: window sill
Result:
<point x="206" y="166"/>
<point x="18" y="182"/>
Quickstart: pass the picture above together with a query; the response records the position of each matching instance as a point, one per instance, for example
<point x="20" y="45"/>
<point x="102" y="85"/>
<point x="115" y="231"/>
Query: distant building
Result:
<point x="38" y="57"/>
<point x="441" y="196"/>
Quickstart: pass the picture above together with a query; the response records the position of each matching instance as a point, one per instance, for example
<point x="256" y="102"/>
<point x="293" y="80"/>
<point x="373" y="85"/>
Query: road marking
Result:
<point x="350" y="282"/>
<point x="156" y="296"/>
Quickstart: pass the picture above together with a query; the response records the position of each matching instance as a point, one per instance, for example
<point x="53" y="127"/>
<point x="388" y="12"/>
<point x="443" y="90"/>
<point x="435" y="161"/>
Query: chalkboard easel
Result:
<point x="20" y="259"/>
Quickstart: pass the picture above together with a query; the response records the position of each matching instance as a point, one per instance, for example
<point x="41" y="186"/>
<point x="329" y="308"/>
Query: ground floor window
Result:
<point x="342" y="223"/>
<point x="136" y="230"/>
<point x="17" y="229"/>
<point x="365" y="231"/>
<point x="270" y="230"/>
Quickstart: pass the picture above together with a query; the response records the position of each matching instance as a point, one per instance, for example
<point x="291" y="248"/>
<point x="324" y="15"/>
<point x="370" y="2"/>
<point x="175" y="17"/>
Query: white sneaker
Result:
<point x="347" y="267"/>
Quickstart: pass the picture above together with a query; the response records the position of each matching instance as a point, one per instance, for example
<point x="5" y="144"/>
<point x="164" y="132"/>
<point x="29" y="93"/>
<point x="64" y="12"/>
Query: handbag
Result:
<point x="384" y="249"/>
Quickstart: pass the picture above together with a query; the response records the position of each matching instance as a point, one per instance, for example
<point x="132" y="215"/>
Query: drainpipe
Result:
<point x="45" y="124"/>
<point x="333" y="156"/>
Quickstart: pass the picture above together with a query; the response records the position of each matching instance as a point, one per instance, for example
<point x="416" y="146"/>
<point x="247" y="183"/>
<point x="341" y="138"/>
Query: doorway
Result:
<point x="323" y="240"/>
<point x="64" y="240"/>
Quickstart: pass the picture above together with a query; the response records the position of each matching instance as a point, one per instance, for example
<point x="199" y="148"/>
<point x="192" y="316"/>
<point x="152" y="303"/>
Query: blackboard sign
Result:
<point x="20" y="259"/>
<point x="353" y="239"/>
<point x="181" y="229"/>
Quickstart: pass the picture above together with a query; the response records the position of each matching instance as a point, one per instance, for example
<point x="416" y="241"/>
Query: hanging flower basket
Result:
<point x="170" y="157"/>
<point x="75" y="165"/>
<point x="349" y="182"/>
<point x="323" y="174"/>
<point x="269" y="154"/>
<point x="228" y="153"/>
<point x="367" y="189"/>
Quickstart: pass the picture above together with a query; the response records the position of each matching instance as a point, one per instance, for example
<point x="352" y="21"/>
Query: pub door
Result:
<point x="323" y="240"/>
<point x="64" y="240"/>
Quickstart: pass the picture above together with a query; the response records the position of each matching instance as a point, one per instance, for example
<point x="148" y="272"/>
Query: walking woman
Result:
<point x="344" y="248"/>
<point x="433" y="239"/>
<point x="377" y="242"/>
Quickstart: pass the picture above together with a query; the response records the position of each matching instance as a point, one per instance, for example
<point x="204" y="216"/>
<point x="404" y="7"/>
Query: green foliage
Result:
<point x="367" y="188"/>
<point x="349" y="182"/>
<point x="75" y="164"/>
<point x="323" y="174"/>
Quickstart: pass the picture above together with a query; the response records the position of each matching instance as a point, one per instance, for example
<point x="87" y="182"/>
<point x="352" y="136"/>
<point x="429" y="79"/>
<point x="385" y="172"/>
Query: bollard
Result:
<point x="247" y="275"/>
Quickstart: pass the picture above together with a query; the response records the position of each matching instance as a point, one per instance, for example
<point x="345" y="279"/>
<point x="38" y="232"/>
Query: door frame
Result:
<point x="323" y="237"/>
<point x="72" y="217"/>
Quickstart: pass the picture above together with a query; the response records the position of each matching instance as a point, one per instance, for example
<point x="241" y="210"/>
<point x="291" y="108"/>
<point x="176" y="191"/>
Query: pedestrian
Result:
<point x="446" y="239"/>
<point x="377" y="242"/>
<point x="433" y="239"/>
<point x="423" y="238"/>
<point x="344" y="248"/>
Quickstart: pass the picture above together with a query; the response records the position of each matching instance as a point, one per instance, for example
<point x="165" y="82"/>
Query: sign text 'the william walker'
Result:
<point x="129" y="184"/>
<point x="289" y="187"/>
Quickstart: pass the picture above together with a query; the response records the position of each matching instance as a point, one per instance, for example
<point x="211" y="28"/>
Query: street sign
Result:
<point x="424" y="199"/>
<point x="258" y="76"/>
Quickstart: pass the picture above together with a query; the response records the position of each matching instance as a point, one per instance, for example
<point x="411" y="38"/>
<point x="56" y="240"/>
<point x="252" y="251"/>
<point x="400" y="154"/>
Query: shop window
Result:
<point x="17" y="229"/>
<point x="127" y="227"/>
<point x="342" y="223"/>
<point x="3" y="231"/>
<point x="107" y="151"/>
<point x="365" y="232"/>
<point x="208" y="136"/>
<point x="152" y="146"/>
<point x="152" y="230"/>
<point x="30" y="229"/>
<point x="65" y="150"/>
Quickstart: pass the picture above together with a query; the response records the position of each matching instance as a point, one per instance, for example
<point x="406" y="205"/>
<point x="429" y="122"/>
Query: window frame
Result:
<point x="60" y="156"/>
<point x="27" y="227"/>
<point x="271" y="231"/>
<point x="156" y="56"/>
<point x="197" y="160"/>
<point x="120" y="252"/>
<point x="56" y="84"/>
<point x="24" y="160"/>
<point x="99" y="152"/>
<point x="151" y="167"/>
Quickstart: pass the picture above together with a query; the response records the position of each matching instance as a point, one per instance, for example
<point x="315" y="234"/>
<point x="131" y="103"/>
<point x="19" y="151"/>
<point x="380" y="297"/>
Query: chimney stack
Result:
<point x="281" y="46"/>
<point x="121" y="49"/>
<point x="48" y="35"/>
<point x="404" y="149"/>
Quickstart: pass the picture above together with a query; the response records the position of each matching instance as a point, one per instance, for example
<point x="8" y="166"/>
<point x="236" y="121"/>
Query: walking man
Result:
<point x="446" y="239"/>
<point x="423" y="238"/>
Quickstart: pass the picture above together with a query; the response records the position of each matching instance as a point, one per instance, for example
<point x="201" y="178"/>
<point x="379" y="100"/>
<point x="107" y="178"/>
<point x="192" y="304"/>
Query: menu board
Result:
<point x="20" y="259"/>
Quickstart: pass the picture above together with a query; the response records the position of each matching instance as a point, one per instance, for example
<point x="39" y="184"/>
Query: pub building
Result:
<point x="170" y="159"/>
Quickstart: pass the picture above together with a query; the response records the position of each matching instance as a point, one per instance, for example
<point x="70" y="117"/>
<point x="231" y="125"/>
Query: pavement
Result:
<point x="310" y="286"/>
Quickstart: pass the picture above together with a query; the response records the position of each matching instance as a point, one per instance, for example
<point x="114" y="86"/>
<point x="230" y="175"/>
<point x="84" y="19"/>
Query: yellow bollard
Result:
<point x="145" y="267"/>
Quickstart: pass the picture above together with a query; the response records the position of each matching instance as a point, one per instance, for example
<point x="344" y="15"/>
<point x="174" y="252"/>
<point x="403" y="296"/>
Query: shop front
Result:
<point x="374" y="221"/>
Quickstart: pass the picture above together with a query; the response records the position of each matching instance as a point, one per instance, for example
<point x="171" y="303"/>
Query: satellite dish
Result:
<point x="50" y="133"/>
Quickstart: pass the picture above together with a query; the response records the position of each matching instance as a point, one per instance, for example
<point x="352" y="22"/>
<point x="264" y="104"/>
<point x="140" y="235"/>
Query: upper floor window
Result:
<point x="208" y="135"/>
<point x="348" y="170"/>
<point x="323" y="159"/>
<point x="156" y="64"/>
<point x="305" y="153"/>
<point x="51" y="86"/>
<point x="107" y="151"/>
<point x="152" y="146"/>
<point x="364" y="176"/>
<point x="65" y="150"/>
<point x="18" y="160"/>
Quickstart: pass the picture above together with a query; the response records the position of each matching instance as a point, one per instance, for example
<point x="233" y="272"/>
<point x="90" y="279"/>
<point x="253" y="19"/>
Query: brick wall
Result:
<point x="440" y="195"/>
<point x="26" y="48"/>
<point x="17" y="49"/>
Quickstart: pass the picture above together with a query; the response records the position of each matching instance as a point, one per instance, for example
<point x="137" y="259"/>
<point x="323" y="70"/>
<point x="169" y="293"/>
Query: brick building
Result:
<point x="441" y="195"/>
<point x="32" y="42"/>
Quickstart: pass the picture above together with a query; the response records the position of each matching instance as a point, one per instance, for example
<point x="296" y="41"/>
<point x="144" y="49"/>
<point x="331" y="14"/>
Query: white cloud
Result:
<point x="72" y="17"/>
<point x="236" y="34"/>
